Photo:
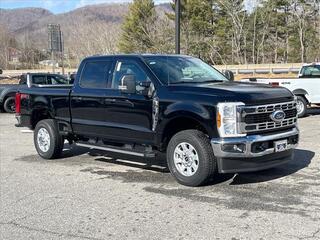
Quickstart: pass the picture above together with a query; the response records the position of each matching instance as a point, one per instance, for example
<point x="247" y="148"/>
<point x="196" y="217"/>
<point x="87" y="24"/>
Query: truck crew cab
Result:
<point x="144" y="104"/>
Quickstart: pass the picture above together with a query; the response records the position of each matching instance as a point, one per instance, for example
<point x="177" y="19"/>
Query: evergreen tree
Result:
<point x="136" y="29"/>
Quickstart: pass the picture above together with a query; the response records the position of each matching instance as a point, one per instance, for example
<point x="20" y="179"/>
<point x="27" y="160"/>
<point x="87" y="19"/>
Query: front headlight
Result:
<point x="227" y="122"/>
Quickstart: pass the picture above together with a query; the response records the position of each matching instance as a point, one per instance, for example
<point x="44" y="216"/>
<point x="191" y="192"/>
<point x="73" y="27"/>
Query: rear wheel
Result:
<point x="10" y="105"/>
<point x="47" y="139"/>
<point x="190" y="158"/>
<point x="301" y="106"/>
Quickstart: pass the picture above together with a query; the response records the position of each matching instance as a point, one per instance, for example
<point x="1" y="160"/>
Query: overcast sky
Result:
<point x="59" y="6"/>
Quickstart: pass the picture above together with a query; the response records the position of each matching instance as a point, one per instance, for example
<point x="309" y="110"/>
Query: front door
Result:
<point x="130" y="115"/>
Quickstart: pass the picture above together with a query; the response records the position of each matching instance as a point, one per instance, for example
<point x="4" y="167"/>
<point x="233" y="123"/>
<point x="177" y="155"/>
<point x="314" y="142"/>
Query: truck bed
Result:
<point x="56" y="98"/>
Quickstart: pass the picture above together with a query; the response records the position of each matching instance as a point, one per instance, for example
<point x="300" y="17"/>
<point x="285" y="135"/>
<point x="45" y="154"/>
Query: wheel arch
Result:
<point x="39" y="114"/>
<point x="301" y="92"/>
<point x="180" y="122"/>
<point x="6" y="94"/>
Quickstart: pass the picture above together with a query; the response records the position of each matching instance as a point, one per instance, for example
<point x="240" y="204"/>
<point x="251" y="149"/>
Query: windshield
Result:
<point x="182" y="69"/>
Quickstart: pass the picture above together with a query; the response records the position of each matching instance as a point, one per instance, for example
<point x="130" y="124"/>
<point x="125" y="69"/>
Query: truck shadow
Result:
<point x="302" y="159"/>
<point x="157" y="164"/>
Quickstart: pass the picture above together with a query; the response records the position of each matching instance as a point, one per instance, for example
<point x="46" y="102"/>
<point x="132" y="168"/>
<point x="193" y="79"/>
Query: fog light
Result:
<point x="234" y="148"/>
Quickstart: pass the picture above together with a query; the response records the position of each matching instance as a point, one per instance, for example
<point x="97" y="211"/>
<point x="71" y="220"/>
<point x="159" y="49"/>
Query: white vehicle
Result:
<point x="306" y="87"/>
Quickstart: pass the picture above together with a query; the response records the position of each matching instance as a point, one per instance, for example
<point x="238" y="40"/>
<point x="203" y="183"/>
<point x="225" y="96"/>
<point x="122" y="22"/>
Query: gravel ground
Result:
<point x="94" y="195"/>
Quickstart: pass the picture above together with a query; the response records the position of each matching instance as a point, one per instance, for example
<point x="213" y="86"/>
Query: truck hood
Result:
<point x="248" y="93"/>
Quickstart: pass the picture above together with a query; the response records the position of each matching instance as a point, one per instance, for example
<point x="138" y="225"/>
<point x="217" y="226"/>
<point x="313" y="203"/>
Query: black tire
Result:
<point x="9" y="105"/>
<point x="207" y="162"/>
<point x="56" y="140"/>
<point x="301" y="100"/>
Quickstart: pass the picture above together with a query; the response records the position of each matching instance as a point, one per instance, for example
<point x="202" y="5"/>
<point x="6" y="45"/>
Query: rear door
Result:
<point x="87" y="99"/>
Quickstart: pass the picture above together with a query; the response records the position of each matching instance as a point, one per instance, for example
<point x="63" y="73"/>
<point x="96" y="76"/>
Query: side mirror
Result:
<point x="229" y="74"/>
<point x="145" y="84"/>
<point x="128" y="84"/>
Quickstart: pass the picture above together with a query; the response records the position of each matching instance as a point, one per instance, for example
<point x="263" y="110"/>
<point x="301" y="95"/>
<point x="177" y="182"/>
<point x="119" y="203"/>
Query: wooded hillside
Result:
<point x="218" y="31"/>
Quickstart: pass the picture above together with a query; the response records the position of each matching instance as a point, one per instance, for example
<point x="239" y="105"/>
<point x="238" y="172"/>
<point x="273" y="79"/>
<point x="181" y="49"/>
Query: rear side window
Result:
<point x="39" y="79"/>
<point x="95" y="74"/>
<point x="57" y="80"/>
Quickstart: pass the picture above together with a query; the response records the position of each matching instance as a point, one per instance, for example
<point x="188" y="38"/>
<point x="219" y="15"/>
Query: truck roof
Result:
<point x="135" y="55"/>
<point x="311" y="64"/>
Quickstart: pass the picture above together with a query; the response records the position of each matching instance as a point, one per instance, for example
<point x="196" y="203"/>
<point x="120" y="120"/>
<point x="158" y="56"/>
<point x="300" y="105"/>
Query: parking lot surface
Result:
<point x="97" y="195"/>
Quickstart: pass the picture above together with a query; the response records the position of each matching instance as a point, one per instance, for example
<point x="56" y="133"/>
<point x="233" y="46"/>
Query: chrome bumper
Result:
<point x="248" y="141"/>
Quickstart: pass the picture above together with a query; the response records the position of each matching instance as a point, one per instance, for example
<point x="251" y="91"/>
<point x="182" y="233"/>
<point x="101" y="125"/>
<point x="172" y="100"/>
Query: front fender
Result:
<point x="194" y="111"/>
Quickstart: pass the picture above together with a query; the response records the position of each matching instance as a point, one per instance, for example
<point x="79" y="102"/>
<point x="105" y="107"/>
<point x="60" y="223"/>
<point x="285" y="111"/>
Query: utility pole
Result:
<point x="53" y="61"/>
<point x="177" y="25"/>
<point x="62" y="51"/>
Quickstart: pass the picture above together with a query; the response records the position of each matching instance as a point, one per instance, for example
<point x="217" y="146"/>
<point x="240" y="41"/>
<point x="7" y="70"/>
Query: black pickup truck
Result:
<point x="28" y="80"/>
<point x="145" y="104"/>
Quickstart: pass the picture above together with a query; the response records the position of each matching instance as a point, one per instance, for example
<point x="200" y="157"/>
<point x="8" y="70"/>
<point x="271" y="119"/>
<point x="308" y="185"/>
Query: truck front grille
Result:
<point x="258" y="118"/>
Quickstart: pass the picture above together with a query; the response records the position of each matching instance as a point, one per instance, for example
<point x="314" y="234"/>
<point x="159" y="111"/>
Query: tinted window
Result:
<point x="95" y="74"/>
<point x="39" y="79"/>
<point x="129" y="68"/>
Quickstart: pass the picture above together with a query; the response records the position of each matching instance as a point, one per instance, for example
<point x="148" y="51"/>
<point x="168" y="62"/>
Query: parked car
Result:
<point x="144" y="104"/>
<point x="8" y="91"/>
<point x="306" y="87"/>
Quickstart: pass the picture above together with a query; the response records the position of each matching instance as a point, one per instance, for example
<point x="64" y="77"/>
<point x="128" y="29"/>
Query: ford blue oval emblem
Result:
<point x="278" y="116"/>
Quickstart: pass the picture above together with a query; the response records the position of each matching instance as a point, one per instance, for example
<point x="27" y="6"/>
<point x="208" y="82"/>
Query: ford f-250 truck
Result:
<point x="143" y="104"/>
<point x="306" y="86"/>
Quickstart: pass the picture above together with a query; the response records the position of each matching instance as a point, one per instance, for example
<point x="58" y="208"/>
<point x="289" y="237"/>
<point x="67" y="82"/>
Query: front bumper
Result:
<point x="255" y="152"/>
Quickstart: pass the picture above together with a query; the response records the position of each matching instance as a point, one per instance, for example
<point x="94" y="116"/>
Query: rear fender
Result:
<point x="10" y="92"/>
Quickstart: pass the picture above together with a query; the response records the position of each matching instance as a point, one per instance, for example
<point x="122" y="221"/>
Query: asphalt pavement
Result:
<point x="96" y="195"/>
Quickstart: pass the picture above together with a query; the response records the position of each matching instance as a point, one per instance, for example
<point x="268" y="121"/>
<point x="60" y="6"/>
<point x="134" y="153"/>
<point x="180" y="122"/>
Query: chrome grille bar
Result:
<point x="257" y="118"/>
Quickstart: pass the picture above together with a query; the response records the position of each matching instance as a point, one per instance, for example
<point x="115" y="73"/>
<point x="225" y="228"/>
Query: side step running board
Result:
<point x="117" y="150"/>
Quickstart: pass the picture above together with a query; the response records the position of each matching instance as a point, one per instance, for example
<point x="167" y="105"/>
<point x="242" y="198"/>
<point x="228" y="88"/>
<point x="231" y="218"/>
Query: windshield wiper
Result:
<point x="213" y="80"/>
<point x="183" y="82"/>
<point x="208" y="81"/>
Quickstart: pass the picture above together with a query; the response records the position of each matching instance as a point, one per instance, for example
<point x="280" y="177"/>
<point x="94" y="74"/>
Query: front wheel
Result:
<point x="190" y="158"/>
<point x="47" y="139"/>
<point x="10" y="105"/>
<point x="301" y="106"/>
